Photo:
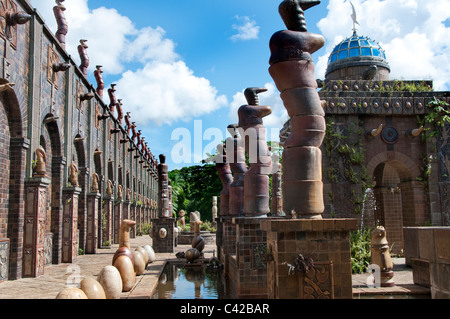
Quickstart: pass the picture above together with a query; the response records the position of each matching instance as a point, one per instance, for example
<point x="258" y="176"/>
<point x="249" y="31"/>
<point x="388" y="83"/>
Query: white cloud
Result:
<point x="166" y="92"/>
<point x="246" y="30"/>
<point x="412" y="33"/>
<point x="159" y="88"/>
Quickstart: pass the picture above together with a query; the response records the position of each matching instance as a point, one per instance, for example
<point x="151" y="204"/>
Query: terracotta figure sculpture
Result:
<point x="124" y="232"/>
<point x="292" y="70"/>
<point x="99" y="78"/>
<point x="380" y="255"/>
<point x="181" y="220"/>
<point x="95" y="183"/>
<point x="163" y="191"/>
<point x="214" y="208"/>
<point x="123" y="258"/>
<point x="133" y="131"/>
<point x="236" y="158"/>
<point x="198" y="242"/>
<point x="256" y="179"/>
<point x="73" y="175"/>
<point x="112" y="98"/>
<point x="224" y="171"/>
<point x="119" y="111"/>
<point x="119" y="192"/>
<point x="41" y="159"/>
<point x="61" y="21"/>
<point x="109" y="188"/>
<point x="13" y="19"/>
<point x="128" y="123"/>
<point x="83" y="56"/>
<point x="276" y="206"/>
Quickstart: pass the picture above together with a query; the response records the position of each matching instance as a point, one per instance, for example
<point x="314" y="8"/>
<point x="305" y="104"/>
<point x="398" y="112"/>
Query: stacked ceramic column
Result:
<point x="256" y="179"/>
<point x="236" y="158"/>
<point x="163" y="226"/>
<point x="292" y="70"/>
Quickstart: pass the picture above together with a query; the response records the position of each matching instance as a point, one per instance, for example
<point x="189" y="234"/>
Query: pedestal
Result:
<point x="138" y="219"/>
<point x="118" y="217"/>
<point x="166" y="244"/>
<point x="133" y="217"/>
<point x="92" y="223"/>
<point x="248" y="269"/>
<point x="108" y="220"/>
<point x="34" y="224"/>
<point x="70" y="224"/>
<point x="325" y="241"/>
<point x="126" y="210"/>
<point x="226" y="241"/>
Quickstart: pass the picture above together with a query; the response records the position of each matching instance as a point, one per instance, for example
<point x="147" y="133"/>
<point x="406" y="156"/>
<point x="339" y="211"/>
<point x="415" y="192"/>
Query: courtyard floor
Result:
<point x="55" y="277"/>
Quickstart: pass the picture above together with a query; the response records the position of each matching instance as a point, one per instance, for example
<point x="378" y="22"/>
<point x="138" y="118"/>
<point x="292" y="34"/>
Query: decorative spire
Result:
<point x="353" y="15"/>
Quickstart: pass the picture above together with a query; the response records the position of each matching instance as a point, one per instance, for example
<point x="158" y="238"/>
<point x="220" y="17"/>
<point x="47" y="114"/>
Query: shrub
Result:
<point x="360" y="249"/>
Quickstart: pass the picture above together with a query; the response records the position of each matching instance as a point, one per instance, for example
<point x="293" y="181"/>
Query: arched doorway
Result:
<point x="13" y="148"/>
<point x="51" y="141"/>
<point x="400" y="198"/>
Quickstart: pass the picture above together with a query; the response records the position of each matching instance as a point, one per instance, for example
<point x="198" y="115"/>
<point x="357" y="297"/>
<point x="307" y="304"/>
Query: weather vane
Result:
<point x="353" y="15"/>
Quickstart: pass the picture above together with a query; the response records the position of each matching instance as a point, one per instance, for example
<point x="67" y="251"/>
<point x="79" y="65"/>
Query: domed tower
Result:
<point x="357" y="58"/>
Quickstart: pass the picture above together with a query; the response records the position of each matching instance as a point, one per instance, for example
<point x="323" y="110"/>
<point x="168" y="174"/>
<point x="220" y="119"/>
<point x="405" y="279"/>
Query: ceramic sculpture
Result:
<point x="292" y="69"/>
<point x="92" y="288"/>
<point x="111" y="281"/>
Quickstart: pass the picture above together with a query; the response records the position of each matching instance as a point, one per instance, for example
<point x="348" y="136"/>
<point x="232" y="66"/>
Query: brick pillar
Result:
<point x="92" y="223"/>
<point x="166" y="244"/>
<point x="249" y="274"/>
<point x="118" y="217"/>
<point x="226" y="246"/>
<point x="18" y="152"/>
<point x="326" y="241"/>
<point x="133" y="217"/>
<point x="107" y="214"/>
<point x="70" y="224"/>
<point x="82" y="210"/>
<point x="138" y="218"/>
<point x="34" y="226"/>
<point x="126" y="210"/>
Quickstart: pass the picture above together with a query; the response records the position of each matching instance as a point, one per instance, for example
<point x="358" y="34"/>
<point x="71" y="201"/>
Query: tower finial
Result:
<point x="353" y="15"/>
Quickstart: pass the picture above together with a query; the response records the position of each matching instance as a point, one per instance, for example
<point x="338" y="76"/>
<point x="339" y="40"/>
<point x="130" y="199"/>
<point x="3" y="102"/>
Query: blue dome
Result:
<point x="356" y="50"/>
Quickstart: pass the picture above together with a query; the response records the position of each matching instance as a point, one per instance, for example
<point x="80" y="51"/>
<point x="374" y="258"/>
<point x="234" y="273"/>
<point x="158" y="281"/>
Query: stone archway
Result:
<point x="400" y="198"/>
<point x="13" y="147"/>
<point x="55" y="171"/>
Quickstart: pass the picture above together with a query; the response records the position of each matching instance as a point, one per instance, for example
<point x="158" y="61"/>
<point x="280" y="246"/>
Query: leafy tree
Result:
<point x="193" y="188"/>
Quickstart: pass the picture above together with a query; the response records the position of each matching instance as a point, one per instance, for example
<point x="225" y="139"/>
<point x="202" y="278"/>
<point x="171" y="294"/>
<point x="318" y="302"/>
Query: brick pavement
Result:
<point x="55" y="277"/>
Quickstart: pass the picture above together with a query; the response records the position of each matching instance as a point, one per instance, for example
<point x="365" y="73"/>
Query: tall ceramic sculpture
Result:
<point x="83" y="56"/>
<point x="61" y="21"/>
<point x="123" y="258"/>
<point x="292" y="70"/>
<point x="99" y="79"/>
<point x="73" y="175"/>
<point x="163" y="190"/>
<point x="256" y="179"/>
<point x="224" y="171"/>
<point x="276" y="205"/>
<point x="41" y="159"/>
<point x="112" y="98"/>
<point x="380" y="255"/>
<point x="236" y="158"/>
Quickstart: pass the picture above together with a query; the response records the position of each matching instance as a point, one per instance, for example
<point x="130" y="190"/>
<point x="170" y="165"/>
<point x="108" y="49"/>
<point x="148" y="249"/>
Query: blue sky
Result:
<point x="181" y="66"/>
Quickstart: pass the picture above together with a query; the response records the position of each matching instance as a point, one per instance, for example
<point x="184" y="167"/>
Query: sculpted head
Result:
<point x="292" y="13"/>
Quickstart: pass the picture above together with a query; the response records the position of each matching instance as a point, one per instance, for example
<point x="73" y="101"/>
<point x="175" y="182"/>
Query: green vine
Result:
<point x="350" y="150"/>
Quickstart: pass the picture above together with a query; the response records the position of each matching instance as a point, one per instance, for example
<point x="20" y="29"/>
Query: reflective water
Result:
<point x="176" y="282"/>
